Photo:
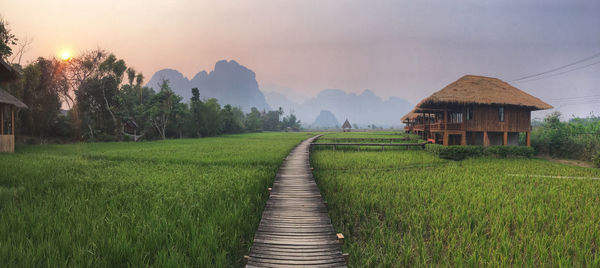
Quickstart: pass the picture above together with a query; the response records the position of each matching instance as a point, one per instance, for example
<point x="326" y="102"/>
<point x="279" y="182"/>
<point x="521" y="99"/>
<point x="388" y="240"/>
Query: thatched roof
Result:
<point x="7" y="73"/>
<point x="346" y="124"/>
<point x="472" y="89"/>
<point x="414" y="114"/>
<point x="6" y="98"/>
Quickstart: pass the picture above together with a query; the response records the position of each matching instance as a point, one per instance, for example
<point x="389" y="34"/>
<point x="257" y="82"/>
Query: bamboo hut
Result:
<point x="8" y="106"/>
<point x="476" y="110"/>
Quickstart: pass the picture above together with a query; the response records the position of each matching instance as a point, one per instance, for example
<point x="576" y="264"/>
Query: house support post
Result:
<point x="463" y="138"/>
<point x="528" y="138"/>
<point x="486" y="139"/>
<point x="505" y="140"/>
<point x="445" y="141"/>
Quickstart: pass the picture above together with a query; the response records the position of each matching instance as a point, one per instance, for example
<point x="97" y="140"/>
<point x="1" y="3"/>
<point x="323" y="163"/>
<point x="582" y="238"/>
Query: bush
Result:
<point x="454" y="152"/>
<point x="507" y="151"/>
<point x="458" y="152"/>
<point x="597" y="159"/>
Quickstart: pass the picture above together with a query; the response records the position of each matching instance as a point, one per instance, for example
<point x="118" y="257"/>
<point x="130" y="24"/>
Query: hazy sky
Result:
<point x="395" y="48"/>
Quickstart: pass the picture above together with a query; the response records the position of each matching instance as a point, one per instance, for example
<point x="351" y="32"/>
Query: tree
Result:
<point x="38" y="88"/>
<point x="233" y="119"/>
<point x="162" y="108"/>
<point x="7" y="39"/>
<point x="253" y="120"/>
<point x="291" y="122"/>
<point x="212" y="118"/>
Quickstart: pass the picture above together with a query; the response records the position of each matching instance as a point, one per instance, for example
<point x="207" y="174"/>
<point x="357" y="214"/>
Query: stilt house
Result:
<point x="475" y="110"/>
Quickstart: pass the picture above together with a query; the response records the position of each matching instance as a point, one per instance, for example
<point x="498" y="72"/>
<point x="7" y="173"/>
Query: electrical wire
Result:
<point x="557" y="68"/>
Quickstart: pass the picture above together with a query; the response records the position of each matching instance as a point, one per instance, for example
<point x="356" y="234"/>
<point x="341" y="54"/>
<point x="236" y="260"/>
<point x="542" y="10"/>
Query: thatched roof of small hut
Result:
<point x="472" y="89"/>
<point x="6" y="98"/>
<point x="346" y="124"/>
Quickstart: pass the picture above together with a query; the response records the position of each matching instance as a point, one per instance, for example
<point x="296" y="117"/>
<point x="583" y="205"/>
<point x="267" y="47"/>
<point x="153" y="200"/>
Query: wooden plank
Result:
<point x="295" y="228"/>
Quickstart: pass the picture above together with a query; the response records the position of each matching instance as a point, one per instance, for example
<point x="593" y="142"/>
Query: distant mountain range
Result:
<point x="325" y="120"/>
<point x="232" y="83"/>
<point x="364" y="109"/>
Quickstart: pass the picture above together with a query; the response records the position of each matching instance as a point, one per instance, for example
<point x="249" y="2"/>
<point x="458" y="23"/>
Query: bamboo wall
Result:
<point x="7" y="143"/>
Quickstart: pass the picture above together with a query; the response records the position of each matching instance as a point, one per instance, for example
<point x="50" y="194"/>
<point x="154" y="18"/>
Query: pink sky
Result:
<point x="407" y="49"/>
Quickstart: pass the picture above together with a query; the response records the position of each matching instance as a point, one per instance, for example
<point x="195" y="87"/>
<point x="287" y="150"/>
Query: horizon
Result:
<point x="407" y="50"/>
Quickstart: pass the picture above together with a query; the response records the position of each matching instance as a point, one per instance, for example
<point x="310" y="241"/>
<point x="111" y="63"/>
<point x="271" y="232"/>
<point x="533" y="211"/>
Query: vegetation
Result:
<point x="458" y="152"/>
<point x="103" y="94"/>
<point x="175" y="203"/>
<point x="579" y="138"/>
<point x="411" y="208"/>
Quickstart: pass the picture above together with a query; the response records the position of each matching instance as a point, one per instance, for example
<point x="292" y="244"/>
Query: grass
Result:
<point x="177" y="203"/>
<point x="409" y="208"/>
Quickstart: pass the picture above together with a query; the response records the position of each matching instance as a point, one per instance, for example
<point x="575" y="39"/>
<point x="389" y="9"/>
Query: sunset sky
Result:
<point x="395" y="48"/>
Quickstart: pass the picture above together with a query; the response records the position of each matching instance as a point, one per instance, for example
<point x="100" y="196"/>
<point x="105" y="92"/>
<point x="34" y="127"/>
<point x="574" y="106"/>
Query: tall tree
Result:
<point x="162" y="108"/>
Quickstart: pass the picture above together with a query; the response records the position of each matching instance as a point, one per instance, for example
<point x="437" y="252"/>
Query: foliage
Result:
<point x="454" y="152"/>
<point x="174" y="203"/>
<point x="460" y="152"/>
<point x="578" y="138"/>
<point x="508" y="151"/>
<point x="37" y="88"/>
<point x="103" y="94"/>
<point x="597" y="159"/>
<point x="7" y="39"/>
<point x="412" y="209"/>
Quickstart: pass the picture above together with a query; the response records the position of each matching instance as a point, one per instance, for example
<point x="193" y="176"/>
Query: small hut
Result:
<point x="475" y="110"/>
<point x="8" y="106"/>
<point x="346" y="126"/>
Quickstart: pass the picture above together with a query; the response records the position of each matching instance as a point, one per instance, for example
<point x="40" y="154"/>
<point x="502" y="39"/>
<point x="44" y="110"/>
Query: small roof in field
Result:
<point x="472" y="89"/>
<point x="346" y="124"/>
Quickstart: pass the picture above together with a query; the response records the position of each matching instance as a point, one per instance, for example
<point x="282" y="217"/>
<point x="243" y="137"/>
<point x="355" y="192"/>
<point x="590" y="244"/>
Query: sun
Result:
<point x="65" y="54"/>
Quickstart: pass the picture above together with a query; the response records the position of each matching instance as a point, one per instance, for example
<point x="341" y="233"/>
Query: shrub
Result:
<point x="458" y="152"/>
<point x="454" y="152"/>
<point x="506" y="151"/>
<point x="597" y="159"/>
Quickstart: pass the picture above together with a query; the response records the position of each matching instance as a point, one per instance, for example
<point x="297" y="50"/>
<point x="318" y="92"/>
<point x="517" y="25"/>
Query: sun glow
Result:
<point x="65" y="54"/>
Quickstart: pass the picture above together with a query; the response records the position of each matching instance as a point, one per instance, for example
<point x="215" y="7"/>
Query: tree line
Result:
<point x="106" y="101"/>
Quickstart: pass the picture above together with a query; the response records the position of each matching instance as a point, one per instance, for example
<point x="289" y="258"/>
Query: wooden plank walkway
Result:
<point x="295" y="229"/>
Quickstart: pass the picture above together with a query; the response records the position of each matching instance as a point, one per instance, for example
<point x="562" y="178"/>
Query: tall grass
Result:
<point x="176" y="203"/>
<point x="409" y="208"/>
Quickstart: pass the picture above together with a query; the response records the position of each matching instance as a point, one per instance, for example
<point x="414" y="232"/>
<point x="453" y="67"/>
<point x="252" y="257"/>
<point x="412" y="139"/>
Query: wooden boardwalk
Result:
<point x="295" y="229"/>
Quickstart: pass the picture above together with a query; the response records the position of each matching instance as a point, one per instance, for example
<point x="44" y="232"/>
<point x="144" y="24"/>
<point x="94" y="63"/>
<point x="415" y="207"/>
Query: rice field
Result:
<point x="409" y="208"/>
<point x="176" y="203"/>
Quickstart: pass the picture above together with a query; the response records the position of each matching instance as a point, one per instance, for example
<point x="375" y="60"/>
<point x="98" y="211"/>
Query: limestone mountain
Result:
<point x="325" y="120"/>
<point x="229" y="82"/>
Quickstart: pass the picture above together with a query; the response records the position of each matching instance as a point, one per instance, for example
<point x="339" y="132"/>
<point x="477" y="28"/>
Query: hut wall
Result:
<point x="486" y="118"/>
<point x="7" y="143"/>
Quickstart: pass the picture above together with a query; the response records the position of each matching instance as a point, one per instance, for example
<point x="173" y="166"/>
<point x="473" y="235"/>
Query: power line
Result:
<point x="557" y="68"/>
<point x="555" y="74"/>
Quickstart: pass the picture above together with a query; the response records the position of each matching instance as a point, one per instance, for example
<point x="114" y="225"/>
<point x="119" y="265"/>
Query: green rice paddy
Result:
<point x="409" y="208"/>
<point x="176" y="203"/>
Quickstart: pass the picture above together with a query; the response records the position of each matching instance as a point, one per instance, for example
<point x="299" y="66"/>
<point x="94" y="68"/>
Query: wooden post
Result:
<point x="528" y="138"/>
<point x="346" y="257"/>
<point x="463" y="138"/>
<point x="340" y="238"/>
<point x="12" y="124"/>
<point x="445" y="141"/>
<point x="1" y="119"/>
<point x="505" y="141"/>
<point x="486" y="139"/>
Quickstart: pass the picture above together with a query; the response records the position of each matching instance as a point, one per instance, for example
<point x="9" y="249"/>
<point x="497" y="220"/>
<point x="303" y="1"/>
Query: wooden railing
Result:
<point x="450" y="126"/>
